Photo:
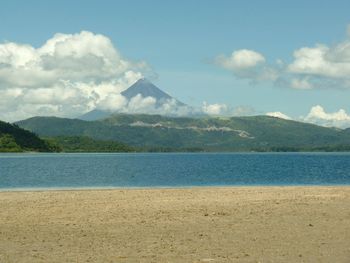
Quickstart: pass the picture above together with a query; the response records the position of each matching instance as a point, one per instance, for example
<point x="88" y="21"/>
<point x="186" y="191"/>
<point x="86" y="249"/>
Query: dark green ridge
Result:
<point x="16" y="139"/>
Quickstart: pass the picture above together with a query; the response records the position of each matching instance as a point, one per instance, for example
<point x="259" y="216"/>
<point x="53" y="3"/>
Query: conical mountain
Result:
<point x="142" y="87"/>
<point x="147" y="89"/>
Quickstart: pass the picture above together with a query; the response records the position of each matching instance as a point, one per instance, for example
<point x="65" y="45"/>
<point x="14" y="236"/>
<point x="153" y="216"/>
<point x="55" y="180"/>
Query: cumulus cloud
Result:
<point x="69" y="75"/>
<point x="319" y="66"/>
<point x="172" y="107"/>
<point x="240" y="60"/>
<point x="247" y="64"/>
<point x="323" y="61"/>
<point x="278" y="114"/>
<point x="141" y="104"/>
<point x="214" y="109"/>
<point x="319" y="116"/>
<point x="113" y="102"/>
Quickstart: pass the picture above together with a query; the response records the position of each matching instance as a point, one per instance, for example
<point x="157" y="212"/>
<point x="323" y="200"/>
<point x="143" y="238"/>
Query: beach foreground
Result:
<point x="238" y="224"/>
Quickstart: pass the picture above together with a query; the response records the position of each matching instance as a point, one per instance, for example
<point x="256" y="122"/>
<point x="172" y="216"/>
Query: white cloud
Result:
<point x="221" y="109"/>
<point x="67" y="76"/>
<point x="214" y="109"/>
<point x="172" y="107"/>
<point x="322" y="66"/>
<point x="323" y="61"/>
<point x="319" y="116"/>
<point x="240" y="60"/>
<point x="278" y="114"/>
<point x="149" y="105"/>
<point x="113" y="102"/>
<point x="140" y="104"/>
<point x="247" y="64"/>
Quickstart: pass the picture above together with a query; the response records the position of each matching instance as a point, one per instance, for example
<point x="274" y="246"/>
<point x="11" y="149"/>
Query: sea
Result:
<point x="23" y="171"/>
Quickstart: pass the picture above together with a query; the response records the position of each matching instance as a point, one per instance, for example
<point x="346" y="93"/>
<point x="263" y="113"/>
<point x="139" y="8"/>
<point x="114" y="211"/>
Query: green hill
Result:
<point x="16" y="139"/>
<point x="155" y="132"/>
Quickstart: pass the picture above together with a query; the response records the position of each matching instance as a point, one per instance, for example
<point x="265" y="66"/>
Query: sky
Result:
<point x="289" y="59"/>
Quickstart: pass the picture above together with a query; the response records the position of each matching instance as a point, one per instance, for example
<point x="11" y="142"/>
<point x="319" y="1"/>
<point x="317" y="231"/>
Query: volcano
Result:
<point x="143" y="87"/>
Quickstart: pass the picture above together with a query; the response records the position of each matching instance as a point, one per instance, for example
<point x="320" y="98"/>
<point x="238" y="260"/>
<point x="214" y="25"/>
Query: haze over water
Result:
<point x="172" y="170"/>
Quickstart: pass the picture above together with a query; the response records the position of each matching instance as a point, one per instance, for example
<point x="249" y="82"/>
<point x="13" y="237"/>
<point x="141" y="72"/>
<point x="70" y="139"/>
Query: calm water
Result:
<point x="172" y="170"/>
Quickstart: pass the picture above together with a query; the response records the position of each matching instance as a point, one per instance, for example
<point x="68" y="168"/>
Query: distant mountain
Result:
<point x="142" y="87"/>
<point x="156" y="132"/>
<point x="147" y="89"/>
<point x="16" y="139"/>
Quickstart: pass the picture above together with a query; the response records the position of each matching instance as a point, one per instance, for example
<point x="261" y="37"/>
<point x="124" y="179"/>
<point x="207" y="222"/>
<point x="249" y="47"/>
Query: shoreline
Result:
<point x="202" y="224"/>
<point x="111" y="188"/>
<point x="208" y="152"/>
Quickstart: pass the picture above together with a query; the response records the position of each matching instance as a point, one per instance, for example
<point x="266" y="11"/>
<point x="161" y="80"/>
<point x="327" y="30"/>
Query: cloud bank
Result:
<point x="70" y="74"/>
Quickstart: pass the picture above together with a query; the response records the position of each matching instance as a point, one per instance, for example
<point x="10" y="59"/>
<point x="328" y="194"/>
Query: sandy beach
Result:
<point x="238" y="224"/>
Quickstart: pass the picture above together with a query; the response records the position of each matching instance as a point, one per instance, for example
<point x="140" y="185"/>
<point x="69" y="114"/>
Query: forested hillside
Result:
<point x="16" y="139"/>
<point x="256" y="133"/>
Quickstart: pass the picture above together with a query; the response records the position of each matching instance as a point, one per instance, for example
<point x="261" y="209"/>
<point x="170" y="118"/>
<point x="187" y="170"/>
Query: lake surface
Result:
<point x="172" y="169"/>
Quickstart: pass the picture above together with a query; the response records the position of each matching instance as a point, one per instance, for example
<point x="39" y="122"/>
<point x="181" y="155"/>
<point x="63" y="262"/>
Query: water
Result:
<point x="172" y="170"/>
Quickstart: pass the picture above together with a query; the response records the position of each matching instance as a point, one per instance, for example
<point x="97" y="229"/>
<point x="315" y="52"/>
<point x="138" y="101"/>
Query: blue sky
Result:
<point x="180" y="41"/>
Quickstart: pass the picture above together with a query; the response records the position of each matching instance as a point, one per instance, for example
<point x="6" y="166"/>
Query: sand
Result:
<point x="248" y="224"/>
